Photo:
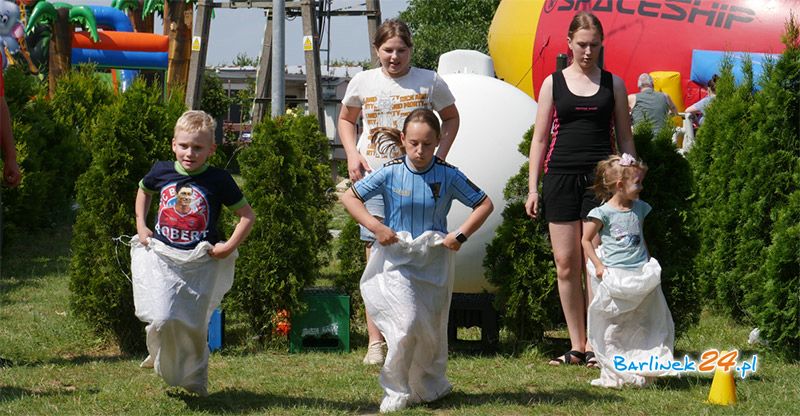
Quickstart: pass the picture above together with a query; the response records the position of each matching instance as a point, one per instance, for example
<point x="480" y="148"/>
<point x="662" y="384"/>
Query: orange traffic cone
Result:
<point x="723" y="388"/>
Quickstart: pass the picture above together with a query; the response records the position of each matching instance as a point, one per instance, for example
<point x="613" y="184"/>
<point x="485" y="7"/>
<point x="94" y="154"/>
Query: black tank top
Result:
<point x="581" y="134"/>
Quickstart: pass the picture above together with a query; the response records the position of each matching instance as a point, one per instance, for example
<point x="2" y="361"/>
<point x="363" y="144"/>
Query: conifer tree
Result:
<point x="131" y="134"/>
<point x="287" y="180"/>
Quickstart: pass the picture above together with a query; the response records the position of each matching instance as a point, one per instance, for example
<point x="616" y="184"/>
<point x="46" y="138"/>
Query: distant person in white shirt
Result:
<point x="699" y="107"/>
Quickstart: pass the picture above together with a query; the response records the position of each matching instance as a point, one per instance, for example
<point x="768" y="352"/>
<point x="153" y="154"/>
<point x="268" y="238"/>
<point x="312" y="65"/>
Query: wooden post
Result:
<point x="194" y="87"/>
<point x="60" y="48"/>
<point x="140" y="23"/>
<point x="373" y="21"/>
<point x="313" y="84"/>
<point x="264" y="73"/>
<point x="178" y="17"/>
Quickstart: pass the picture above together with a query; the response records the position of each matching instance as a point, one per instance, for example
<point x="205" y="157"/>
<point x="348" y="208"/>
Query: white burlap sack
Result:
<point x="175" y="291"/>
<point x="629" y="318"/>
<point x="407" y="288"/>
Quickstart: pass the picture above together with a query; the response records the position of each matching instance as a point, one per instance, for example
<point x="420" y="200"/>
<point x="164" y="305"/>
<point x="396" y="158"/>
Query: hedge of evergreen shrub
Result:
<point x="350" y="256"/>
<point x="668" y="229"/>
<point x="728" y="123"/>
<point x="29" y="205"/>
<point x="287" y="180"/>
<point x="214" y="99"/>
<point x="50" y="151"/>
<point x="747" y="204"/>
<point x="351" y="260"/>
<point x="778" y="314"/>
<point x="519" y="262"/>
<point x="81" y="94"/>
<point x="128" y="136"/>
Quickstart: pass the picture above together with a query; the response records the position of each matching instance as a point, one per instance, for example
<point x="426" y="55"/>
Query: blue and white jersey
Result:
<point x="418" y="201"/>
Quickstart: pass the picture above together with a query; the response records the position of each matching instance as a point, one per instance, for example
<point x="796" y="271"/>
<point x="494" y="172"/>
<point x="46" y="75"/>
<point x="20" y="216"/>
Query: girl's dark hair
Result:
<point x="390" y="29"/>
<point x="387" y="139"/>
<point x="585" y="20"/>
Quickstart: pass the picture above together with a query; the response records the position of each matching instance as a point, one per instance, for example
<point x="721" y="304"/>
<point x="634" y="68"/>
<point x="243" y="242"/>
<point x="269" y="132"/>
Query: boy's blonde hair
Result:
<point x="614" y="169"/>
<point x="194" y="121"/>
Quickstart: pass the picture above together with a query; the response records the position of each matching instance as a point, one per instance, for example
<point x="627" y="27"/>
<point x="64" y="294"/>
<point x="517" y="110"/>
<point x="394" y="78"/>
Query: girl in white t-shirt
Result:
<point x="383" y="97"/>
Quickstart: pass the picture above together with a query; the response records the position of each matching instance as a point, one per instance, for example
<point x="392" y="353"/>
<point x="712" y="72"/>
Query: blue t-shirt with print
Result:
<point x="621" y="237"/>
<point x="418" y="201"/>
<point x="190" y="202"/>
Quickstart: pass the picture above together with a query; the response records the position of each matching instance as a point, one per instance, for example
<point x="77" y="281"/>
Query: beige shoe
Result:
<point x="375" y="353"/>
<point x="148" y="362"/>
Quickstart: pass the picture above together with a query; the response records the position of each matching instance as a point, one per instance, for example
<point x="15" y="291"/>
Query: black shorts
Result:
<point x="567" y="197"/>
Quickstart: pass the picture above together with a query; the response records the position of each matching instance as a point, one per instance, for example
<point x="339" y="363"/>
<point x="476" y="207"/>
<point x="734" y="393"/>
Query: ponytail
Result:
<point x="387" y="142"/>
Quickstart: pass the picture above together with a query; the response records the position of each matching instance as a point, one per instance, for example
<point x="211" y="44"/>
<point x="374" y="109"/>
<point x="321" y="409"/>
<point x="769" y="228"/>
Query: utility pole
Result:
<point x="263" y="73"/>
<point x="373" y="21"/>
<point x="279" y="58"/>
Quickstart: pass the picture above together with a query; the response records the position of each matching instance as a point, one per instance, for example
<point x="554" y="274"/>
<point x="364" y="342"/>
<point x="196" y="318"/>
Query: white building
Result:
<point x="334" y="82"/>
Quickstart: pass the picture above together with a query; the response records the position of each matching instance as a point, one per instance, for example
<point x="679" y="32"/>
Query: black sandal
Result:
<point x="591" y="361"/>
<point x="567" y="360"/>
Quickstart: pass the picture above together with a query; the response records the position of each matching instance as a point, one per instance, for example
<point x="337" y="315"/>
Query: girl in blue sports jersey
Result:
<point x="408" y="280"/>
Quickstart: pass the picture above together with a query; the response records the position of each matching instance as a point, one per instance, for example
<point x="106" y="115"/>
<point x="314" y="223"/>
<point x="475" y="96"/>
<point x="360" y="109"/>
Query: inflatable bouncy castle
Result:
<point x="686" y="38"/>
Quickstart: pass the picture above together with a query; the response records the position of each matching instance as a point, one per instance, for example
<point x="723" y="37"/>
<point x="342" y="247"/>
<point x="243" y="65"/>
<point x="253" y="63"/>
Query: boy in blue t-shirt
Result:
<point x="175" y="284"/>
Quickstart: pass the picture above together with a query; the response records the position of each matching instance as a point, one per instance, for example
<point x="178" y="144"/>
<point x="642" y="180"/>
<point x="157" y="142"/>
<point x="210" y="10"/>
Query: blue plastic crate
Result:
<point x="216" y="330"/>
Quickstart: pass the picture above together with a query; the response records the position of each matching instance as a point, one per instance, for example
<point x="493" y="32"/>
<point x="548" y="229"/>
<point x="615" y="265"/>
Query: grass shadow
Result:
<point x="684" y="382"/>
<point x="243" y="401"/>
<point x="514" y="348"/>
<point x="83" y="359"/>
<point x="66" y="361"/>
<point x="26" y="260"/>
<point x="525" y="398"/>
<point x="9" y="394"/>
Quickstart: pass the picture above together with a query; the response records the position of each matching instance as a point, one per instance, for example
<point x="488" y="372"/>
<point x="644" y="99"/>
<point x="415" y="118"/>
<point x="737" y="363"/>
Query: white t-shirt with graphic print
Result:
<point x="387" y="101"/>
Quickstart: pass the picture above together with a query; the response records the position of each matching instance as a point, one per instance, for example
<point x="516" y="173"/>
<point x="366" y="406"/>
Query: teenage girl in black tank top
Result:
<point x="581" y="127"/>
<point x="577" y="109"/>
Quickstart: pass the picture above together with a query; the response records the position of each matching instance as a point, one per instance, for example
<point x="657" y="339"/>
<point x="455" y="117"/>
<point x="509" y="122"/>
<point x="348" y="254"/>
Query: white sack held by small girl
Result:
<point x="628" y="318"/>
<point x="408" y="280"/>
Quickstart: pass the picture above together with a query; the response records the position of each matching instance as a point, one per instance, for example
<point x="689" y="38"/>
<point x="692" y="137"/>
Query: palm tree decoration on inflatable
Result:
<point x="178" y="19"/>
<point x="59" y="19"/>
<point x="62" y="19"/>
<point x="141" y="21"/>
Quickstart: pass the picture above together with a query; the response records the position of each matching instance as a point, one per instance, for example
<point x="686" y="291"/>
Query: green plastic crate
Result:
<point x="325" y="324"/>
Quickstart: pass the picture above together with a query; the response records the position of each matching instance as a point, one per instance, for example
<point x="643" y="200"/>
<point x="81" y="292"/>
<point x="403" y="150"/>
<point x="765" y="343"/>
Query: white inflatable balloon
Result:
<point x="494" y="117"/>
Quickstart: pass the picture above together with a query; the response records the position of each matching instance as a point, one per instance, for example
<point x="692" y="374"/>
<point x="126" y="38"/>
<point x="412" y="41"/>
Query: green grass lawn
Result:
<point x="59" y="367"/>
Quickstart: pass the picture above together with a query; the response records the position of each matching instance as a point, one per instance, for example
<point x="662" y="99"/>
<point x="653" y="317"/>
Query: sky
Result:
<point x="241" y="31"/>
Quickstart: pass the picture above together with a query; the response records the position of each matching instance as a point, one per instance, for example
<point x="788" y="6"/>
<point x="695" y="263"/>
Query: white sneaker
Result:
<point x="375" y="353"/>
<point x="393" y="404"/>
<point x="148" y="362"/>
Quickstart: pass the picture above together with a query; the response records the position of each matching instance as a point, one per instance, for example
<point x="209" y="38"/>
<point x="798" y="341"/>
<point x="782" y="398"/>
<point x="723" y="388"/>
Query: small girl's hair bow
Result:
<point x="627" y="160"/>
